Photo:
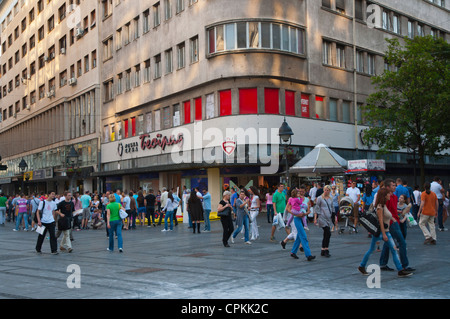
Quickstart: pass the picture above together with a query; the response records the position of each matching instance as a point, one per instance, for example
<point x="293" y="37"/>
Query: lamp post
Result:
<point x="72" y="161"/>
<point x="23" y="166"/>
<point x="285" y="133"/>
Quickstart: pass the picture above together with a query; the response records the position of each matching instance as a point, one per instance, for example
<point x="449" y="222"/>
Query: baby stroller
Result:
<point x="346" y="212"/>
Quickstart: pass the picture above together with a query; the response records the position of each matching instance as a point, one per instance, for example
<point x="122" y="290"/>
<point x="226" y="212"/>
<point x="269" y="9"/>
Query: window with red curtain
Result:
<point x="125" y="128"/>
<point x="248" y="101"/>
<point x="133" y="126"/>
<point x="225" y="102"/>
<point x="271" y="101"/>
<point x="290" y="102"/>
<point x="187" y="112"/>
<point x="305" y="105"/>
<point x="198" y="109"/>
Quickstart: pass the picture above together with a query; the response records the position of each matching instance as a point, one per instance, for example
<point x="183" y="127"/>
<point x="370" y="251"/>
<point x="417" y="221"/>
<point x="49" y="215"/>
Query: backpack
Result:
<point x="40" y="212"/>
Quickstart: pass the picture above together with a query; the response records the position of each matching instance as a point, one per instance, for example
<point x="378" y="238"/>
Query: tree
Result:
<point x="411" y="104"/>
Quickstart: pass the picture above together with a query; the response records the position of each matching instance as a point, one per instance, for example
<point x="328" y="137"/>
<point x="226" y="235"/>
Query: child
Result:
<point x="97" y="220"/>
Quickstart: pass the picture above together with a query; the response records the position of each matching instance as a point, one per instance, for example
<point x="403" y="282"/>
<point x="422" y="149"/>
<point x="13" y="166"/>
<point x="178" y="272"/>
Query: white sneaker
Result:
<point x="248" y="242"/>
<point x="232" y="239"/>
<point x="164" y="230"/>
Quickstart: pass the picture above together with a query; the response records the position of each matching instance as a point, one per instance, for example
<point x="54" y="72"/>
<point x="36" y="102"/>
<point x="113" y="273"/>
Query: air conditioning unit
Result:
<point x="51" y="93"/>
<point x="79" y="32"/>
<point x="72" y="81"/>
<point x="45" y="58"/>
<point x="15" y="115"/>
<point x="63" y="51"/>
<point x="52" y="55"/>
<point x="27" y="107"/>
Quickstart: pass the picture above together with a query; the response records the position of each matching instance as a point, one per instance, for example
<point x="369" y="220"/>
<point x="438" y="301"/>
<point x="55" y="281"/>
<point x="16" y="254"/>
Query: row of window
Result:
<point x="132" y="77"/>
<point x="29" y="45"/>
<point x="255" y="35"/>
<point x="202" y="108"/>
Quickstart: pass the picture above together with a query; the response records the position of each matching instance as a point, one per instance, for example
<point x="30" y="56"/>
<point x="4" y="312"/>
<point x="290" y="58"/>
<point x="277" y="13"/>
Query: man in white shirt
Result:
<point x="46" y="217"/>
<point x="436" y="187"/>
<point x="355" y="194"/>
<point x="163" y="201"/>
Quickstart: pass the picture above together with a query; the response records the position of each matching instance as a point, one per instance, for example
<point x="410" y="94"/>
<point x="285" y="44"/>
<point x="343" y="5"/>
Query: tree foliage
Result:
<point x="411" y="104"/>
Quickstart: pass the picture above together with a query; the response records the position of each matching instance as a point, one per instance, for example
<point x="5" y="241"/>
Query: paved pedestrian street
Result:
<point x="183" y="265"/>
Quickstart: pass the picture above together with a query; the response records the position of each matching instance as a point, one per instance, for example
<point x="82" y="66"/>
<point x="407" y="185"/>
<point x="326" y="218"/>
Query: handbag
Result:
<point x="225" y="212"/>
<point x="410" y="220"/>
<point x="40" y="212"/>
<point x="370" y="222"/>
<point x="123" y="214"/>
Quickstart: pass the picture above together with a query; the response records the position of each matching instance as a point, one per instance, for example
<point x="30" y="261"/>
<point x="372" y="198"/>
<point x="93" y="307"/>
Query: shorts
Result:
<point x="86" y="213"/>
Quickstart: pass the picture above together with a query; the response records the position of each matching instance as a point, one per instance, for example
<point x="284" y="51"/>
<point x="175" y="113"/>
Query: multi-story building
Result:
<point x="201" y="73"/>
<point x="204" y="67"/>
<point x="50" y="93"/>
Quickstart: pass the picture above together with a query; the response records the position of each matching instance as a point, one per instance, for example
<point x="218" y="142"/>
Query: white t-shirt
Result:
<point x="436" y="188"/>
<point x="417" y="196"/>
<point x="353" y="193"/>
<point x="47" y="214"/>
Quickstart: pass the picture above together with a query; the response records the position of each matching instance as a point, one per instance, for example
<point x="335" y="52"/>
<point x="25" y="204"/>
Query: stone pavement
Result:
<point x="182" y="265"/>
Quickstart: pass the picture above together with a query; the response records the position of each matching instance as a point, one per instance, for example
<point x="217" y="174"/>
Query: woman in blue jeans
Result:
<point x="242" y="219"/>
<point x="385" y="217"/>
<point x="170" y="207"/>
<point x="114" y="223"/>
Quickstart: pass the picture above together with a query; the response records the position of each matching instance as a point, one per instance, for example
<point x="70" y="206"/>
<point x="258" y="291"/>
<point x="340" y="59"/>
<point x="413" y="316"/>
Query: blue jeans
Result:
<point x="169" y="214"/>
<point x="245" y="225"/>
<point x="390" y="244"/>
<point x="116" y="227"/>
<point x="301" y="237"/>
<point x="269" y="213"/>
<point x="396" y="233"/>
<point x="19" y="220"/>
<point x="206" y="217"/>
<point x="2" y="215"/>
<point x="440" y="218"/>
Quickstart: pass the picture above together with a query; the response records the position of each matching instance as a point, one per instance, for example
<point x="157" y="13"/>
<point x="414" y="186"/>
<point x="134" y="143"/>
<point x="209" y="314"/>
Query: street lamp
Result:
<point x="285" y="133"/>
<point x="72" y="161"/>
<point x="23" y="166"/>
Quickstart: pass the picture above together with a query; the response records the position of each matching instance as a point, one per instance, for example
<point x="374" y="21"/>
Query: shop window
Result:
<point x="225" y="102"/>
<point x="271" y="101"/>
<point x="198" y="109"/>
<point x="133" y="126"/>
<point x="305" y="105"/>
<point x="248" y="101"/>
<point x="125" y="127"/>
<point x="320" y="114"/>
<point x="187" y="112"/>
<point x="290" y="102"/>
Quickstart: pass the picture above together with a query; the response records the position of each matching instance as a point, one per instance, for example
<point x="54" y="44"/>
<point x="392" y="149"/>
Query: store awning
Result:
<point x="320" y="161"/>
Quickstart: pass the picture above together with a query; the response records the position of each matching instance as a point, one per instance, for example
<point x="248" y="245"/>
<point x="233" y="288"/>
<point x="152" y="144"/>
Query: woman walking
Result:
<point x="195" y="210"/>
<point x="254" y="211"/>
<point x="169" y="210"/>
<point x="384" y="218"/>
<point x="242" y="219"/>
<point x="269" y="205"/>
<point x="227" y="222"/>
<point x="114" y="223"/>
<point x="322" y="216"/>
<point x="297" y="207"/>
<point x="428" y="210"/>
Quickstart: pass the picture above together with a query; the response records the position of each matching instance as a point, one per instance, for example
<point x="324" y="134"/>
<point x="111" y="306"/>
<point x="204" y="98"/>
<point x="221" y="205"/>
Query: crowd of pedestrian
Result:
<point x="288" y="210"/>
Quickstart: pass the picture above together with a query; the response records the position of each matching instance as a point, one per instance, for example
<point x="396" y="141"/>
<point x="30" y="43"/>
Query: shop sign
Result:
<point x="5" y="180"/>
<point x="366" y="165"/>
<point x="159" y="141"/>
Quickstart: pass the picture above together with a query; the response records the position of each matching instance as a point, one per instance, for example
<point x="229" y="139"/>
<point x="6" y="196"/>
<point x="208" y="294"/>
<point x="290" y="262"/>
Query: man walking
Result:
<point x="47" y="208"/>
<point x="440" y="194"/>
<point x="149" y="202"/>
<point x="86" y="204"/>
<point x="3" y="201"/>
<point x="355" y="194"/>
<point x="279" y="206"/>
<point x="65" y="210"/>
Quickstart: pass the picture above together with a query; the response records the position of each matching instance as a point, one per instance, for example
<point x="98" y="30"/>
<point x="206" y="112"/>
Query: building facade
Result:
<point x="50" y="94"/>
<point x="192" y="92"/>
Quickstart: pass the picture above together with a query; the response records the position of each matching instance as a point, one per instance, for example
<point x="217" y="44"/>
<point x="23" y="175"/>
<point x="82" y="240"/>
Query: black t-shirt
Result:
<point x="66" y="208"/>
<point x="151" y="199"/>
